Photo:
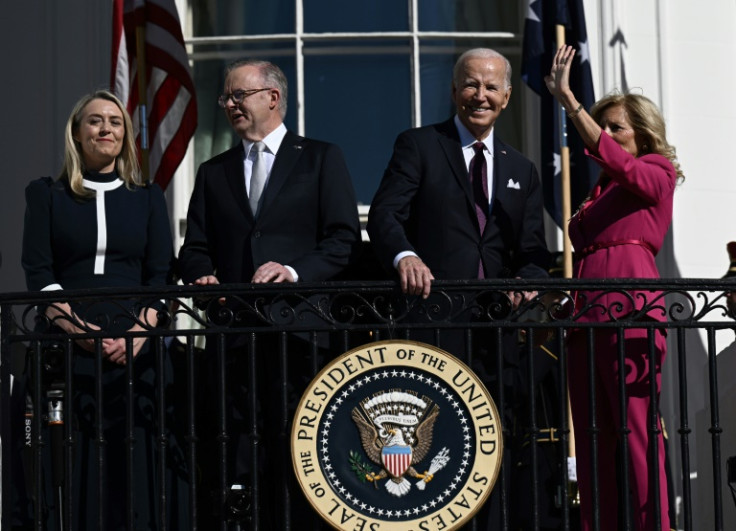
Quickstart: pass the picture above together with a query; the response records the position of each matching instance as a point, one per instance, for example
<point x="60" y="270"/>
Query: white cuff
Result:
<point x="403" y="254"/>
<point x="293" y="273"/>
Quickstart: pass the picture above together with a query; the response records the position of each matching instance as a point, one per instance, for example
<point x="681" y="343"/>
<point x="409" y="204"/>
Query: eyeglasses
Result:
<point x="237" y="96"/>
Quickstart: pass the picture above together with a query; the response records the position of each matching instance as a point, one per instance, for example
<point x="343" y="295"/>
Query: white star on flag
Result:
<point x="531" y="15"/>
<point x="583" y="51"/>
<point x="557" y="163"/>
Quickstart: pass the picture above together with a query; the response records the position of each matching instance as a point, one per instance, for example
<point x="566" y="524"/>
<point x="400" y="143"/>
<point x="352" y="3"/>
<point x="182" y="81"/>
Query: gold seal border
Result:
<point x="406" y="354"/>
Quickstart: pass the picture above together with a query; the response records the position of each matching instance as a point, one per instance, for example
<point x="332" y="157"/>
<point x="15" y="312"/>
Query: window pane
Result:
<point x="242" y="17"/>
<point x="359" y="99"/>
<point x="372" y="15"/>
<point x="470" y="15"/>
<point x="510" y="125"/>
<point x="437" y="60"/>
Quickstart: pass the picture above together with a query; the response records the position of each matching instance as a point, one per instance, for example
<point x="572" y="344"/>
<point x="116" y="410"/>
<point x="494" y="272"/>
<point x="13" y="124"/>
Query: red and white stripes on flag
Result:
<point x="396" y="459"/>
<point x="171" y="104"/>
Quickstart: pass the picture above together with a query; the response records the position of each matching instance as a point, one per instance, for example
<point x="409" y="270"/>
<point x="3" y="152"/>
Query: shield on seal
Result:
<point x="396" y="459"/>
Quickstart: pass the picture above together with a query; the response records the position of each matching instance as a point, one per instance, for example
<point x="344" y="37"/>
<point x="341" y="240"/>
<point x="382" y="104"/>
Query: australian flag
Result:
<point x="540" y="45"/>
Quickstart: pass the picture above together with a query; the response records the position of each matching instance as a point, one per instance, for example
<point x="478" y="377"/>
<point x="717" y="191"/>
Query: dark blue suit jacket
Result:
<point x="425" y="204"/>
<point x="308" y="217"/>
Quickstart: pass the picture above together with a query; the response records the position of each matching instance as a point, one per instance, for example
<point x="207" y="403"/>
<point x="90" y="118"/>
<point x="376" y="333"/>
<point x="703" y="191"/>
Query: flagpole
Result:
<point x="566" y="214"/>
<point x="565" y="166"/>
<point x="140" y="58"/>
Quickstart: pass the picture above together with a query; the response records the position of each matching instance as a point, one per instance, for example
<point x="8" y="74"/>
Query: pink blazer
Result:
<point x="620" y="229"/>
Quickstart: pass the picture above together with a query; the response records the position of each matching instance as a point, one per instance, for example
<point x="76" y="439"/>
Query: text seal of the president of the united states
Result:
<point x="396" y="435"/>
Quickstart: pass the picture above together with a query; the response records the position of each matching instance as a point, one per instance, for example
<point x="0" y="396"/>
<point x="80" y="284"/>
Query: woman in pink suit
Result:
<point x="616" y="233"/>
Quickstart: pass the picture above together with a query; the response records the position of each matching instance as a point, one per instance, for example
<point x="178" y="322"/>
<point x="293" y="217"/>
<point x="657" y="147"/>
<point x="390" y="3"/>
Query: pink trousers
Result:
<point x="608" y="420"/>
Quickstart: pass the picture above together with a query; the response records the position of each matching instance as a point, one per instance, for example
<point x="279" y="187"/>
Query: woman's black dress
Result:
<point x="119" y="238"/>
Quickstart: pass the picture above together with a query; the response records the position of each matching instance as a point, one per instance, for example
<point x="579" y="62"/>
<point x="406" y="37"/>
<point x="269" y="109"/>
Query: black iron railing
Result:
<point x="285" y="335"/>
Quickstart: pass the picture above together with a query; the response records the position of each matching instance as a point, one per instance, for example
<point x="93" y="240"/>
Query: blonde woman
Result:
<point x="616" y="233"/>
<point x="99" y="226"/>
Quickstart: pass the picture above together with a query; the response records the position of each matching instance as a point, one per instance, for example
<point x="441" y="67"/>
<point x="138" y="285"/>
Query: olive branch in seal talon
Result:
<point x="360" y="467"/>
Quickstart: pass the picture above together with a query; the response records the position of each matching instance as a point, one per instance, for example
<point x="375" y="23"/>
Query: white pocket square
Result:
<point x="512" y="184"/>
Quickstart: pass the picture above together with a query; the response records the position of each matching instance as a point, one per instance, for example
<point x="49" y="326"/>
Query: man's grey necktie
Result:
<point x="258" y="176"/>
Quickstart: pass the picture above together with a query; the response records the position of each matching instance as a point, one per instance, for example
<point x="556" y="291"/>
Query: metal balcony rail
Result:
<point x="284" y="335"/>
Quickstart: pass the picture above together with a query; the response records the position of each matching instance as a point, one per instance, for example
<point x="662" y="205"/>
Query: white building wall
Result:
<point x="701" y="48"/>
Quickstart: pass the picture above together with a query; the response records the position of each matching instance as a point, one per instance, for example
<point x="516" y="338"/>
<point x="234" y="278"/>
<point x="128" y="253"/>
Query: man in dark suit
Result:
<point x="457" y="203"/>
<point x="304" y="226"/>
<point x="277" y="207"/>
<point x="424" y="219"/>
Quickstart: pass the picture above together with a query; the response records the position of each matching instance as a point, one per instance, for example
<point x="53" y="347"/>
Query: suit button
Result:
<point x="257" y="234"/>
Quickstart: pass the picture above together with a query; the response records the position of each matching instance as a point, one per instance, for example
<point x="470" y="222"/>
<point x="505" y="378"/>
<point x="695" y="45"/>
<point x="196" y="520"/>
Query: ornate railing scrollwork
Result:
<point x="375" y="305"/>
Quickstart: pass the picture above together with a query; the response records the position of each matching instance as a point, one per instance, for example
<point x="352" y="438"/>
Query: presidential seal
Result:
<point x="396" y="435"/>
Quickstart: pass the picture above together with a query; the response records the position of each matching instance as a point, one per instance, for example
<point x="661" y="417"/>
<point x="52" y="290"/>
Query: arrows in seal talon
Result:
<point x="438" y="463"/>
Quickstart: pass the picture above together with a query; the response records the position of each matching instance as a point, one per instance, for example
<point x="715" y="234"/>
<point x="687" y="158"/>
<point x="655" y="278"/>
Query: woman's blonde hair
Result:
<point x="126" y="163"/>
<point x="648" y="124"/>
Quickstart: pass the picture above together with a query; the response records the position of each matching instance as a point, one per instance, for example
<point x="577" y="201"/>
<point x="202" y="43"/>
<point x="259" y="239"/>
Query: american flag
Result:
<point x="540" y="45"/>
<point x="171" y="111"/>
